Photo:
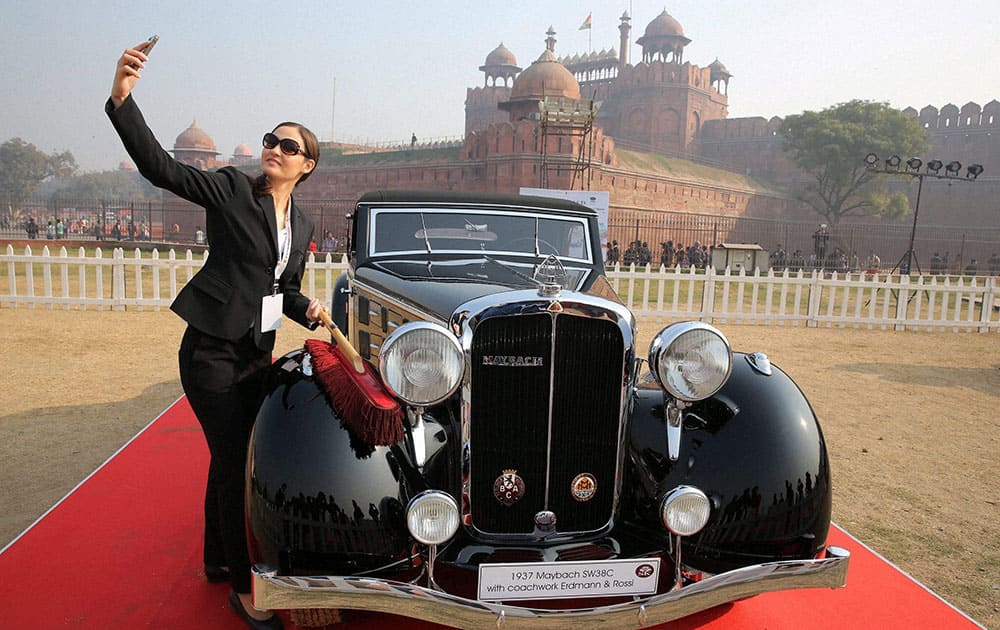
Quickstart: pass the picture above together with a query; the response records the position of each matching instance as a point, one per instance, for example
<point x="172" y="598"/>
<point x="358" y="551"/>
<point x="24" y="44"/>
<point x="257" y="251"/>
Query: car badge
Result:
<point x="502" y="360"/>
<point x="508" y="488"/>
<point x="584" y="487"/>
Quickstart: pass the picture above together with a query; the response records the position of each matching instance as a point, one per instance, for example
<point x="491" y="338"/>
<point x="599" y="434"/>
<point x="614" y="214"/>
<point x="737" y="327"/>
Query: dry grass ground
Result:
<point x="910" y="419"/>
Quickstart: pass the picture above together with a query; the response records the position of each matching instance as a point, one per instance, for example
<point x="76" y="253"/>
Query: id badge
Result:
<point x="270" y="312"/>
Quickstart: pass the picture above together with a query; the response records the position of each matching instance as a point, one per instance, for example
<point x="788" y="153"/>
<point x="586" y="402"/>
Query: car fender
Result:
<point x="756" y="449"/>
<point x="317" y="497"/>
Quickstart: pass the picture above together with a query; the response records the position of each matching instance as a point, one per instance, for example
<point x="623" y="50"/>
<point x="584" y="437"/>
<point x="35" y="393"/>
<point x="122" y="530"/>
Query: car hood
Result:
<point x="440" y="287"/>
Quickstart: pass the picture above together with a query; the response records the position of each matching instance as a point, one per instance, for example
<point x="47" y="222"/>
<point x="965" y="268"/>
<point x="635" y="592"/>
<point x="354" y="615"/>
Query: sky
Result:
<point x="380" y="70"/>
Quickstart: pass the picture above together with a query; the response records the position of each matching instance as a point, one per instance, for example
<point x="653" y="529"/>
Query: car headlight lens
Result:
<point x="432" y="517"/>
<point x="685" y="510"/>
<point x="421" y="363"/>
<point x="691" y="360"/>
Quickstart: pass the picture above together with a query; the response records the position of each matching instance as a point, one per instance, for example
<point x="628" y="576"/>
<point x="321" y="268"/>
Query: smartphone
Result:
<point x="150" y="43"/>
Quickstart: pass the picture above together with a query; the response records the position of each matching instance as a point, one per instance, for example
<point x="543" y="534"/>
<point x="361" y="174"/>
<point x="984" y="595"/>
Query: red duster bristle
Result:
<point x="359" y="399"/>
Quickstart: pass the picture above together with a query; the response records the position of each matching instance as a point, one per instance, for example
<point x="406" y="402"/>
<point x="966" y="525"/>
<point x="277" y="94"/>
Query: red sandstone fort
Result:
<point x="654" y="133"/>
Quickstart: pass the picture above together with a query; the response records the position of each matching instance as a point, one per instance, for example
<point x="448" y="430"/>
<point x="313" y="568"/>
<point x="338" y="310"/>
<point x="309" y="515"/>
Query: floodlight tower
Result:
<point x="894" y="165"/>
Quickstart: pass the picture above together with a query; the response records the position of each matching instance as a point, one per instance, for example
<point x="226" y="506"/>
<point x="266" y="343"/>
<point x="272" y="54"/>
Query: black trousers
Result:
<point x="223" y="381"/>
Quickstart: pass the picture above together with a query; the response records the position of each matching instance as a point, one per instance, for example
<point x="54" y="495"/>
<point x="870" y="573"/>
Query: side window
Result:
<point x="577" y="242"/>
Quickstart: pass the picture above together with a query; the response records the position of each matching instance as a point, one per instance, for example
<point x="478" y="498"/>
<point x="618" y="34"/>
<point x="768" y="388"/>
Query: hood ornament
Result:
<point x="551" y="277"/>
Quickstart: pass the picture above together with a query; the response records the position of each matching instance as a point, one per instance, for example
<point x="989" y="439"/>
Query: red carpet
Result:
<point x="123" y="550"/>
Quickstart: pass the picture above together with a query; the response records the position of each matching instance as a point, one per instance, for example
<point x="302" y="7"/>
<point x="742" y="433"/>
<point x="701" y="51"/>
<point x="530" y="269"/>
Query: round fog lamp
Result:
<point x="432" y="517"/>
<point x="685" y="510"/>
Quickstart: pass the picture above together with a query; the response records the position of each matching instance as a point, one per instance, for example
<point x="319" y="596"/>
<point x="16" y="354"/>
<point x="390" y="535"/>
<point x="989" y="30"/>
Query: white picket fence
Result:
<point x="150" y="281"/>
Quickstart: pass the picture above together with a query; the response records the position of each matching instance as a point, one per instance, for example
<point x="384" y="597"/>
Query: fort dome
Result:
<point x="664" y="25"/>
<point x="664" y="39"/>
<point x="194" y="138"/>
<point x="501" y="56"/>
<point x="719" y="70"/>
<point x="545" y="77"/>
<point x="242" y="150"/>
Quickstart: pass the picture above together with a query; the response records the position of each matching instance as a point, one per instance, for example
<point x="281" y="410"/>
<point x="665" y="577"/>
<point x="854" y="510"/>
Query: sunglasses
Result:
<point x="287" y="145"/>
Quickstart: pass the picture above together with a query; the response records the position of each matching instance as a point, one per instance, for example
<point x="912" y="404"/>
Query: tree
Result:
<point x="23" y="167"/>
<point x="105" y="185"/>
<point x="832" y="144"/>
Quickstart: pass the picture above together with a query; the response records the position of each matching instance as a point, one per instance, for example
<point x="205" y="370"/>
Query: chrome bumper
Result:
<point x="275" y="592"/>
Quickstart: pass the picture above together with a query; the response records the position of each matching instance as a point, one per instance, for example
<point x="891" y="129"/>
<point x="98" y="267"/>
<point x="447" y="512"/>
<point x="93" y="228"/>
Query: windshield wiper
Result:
<point x="512" y="270"/>
<point x="549" y="277"/>
<point x="427" y="241"/>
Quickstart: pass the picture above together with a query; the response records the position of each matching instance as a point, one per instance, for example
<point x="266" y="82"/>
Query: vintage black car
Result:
<point x="550" y="471"/>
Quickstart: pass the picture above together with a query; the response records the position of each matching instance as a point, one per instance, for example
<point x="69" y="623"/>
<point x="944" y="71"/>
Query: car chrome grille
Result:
<point x="511" y="420"/>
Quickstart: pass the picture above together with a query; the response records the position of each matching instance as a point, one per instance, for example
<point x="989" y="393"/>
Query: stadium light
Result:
<point x="951" y="172"/>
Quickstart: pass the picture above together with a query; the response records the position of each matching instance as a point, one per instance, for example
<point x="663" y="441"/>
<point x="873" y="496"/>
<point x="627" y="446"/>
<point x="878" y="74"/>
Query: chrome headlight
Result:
<point x="432" y="517"/>
<point x="685" y="510"/>
<point x="421" y="363"/>
<point x="691" y="360"/>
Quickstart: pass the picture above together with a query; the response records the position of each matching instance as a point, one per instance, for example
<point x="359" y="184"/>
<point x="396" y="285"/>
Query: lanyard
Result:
<point x="284" y="246"/>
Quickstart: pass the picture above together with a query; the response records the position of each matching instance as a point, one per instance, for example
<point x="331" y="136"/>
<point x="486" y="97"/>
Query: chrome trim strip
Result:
<point x="438" y="209"/>
<point x="271" y="591"/>
<point x="552" y="393"/>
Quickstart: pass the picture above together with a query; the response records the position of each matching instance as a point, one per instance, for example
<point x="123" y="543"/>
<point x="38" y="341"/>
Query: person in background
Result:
<point x="329" y="242"/>
<point x="873" y="263"/>
<point x="232" y="306"/>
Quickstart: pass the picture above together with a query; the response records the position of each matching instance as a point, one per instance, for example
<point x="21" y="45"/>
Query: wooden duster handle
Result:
<point x="345" y="346"/>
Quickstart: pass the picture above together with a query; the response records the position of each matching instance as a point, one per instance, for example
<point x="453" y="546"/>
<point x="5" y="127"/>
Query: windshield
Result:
<point x="422" y="231"/>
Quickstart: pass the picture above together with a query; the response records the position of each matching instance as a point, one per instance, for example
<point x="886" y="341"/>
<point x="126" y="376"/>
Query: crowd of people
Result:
<point x="670" y="254"/>
<point x="57" y="229"/>
<point x="698" y="256"/>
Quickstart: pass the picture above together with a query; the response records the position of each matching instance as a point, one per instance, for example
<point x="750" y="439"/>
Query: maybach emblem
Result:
<point x="508" y="488"/>
<point x="503" y="360"/>
<point x="584" y="487"/>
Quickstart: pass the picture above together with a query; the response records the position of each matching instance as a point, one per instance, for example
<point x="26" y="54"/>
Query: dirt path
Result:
<point x="910" y="419"/>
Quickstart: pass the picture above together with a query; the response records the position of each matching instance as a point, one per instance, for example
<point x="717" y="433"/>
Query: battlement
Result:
<point x="684" y="74"/>
<point x="950" y="117"/>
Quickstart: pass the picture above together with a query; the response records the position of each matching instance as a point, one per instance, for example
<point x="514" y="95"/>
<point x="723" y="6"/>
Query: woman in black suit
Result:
<point x="232" y="305"/>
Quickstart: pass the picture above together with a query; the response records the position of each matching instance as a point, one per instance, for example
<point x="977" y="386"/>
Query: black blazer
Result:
<point x="224" y="298"/>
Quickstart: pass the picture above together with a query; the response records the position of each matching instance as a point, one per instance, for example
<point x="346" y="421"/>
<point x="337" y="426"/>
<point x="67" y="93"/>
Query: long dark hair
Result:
<point x="262" y="187"/>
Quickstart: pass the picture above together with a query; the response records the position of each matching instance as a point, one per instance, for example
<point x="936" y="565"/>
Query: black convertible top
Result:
<point x="448" y="197"/>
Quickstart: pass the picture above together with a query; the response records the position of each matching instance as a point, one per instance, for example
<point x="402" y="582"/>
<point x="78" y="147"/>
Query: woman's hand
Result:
<point x="313" y="310"/>
<point x="128" y="72"/>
